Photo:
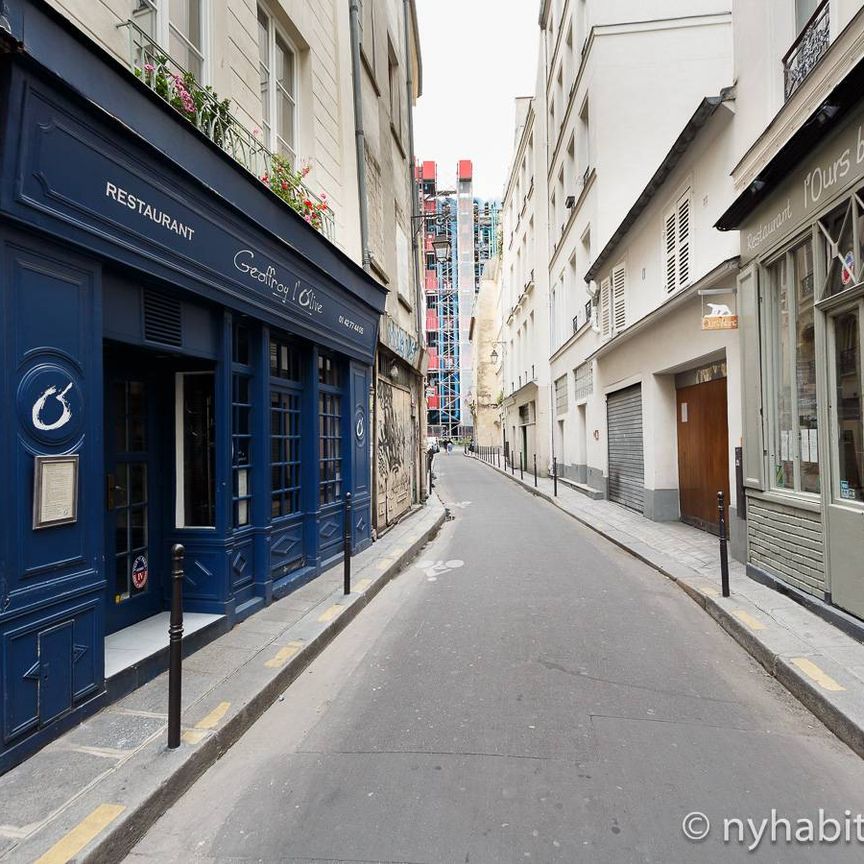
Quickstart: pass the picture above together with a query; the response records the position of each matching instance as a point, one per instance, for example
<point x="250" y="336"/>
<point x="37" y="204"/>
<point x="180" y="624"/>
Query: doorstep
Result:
<point x="90" y="794"/>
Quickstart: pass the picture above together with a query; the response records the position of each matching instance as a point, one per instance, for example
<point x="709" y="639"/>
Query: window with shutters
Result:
<point x="612" y="303"/>
<point x="604" y="311"/>
<point x="676" y="244"/>
<point x="619" y="305"/>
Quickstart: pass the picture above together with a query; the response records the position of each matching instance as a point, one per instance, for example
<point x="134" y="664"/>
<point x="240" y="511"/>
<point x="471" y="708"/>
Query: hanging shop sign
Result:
<point x="718" y="312"/>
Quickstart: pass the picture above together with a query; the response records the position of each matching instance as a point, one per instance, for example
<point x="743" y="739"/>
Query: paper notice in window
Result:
<point x="814" y="445"/>
<point x="784" y="445"/>
<point x="805" y="445"/>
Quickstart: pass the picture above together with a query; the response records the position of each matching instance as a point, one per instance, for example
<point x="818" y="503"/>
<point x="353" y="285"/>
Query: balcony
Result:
<point x="212" y="116"/>
<point x="807" y="49"/>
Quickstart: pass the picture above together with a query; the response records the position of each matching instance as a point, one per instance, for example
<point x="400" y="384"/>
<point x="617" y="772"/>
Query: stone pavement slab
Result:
<point x="820" y="664"/>
<point x="92" y="793"/>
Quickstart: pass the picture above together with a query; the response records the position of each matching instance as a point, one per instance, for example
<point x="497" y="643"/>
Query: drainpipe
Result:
<point x="407" y="9"/>
<point x="359" y="133"/>
<point x="363" y="201"/>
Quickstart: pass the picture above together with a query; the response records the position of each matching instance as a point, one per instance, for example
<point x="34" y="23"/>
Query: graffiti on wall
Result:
<point x="395" y="446"/>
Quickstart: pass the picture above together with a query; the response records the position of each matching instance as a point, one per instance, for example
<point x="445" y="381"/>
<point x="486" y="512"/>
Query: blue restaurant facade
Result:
<point x="184" y="360"/>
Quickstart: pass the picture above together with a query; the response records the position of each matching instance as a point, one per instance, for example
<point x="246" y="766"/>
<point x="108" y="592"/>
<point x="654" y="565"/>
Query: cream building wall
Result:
<point x="319" y="31"/>
<point x="487" y="372"/>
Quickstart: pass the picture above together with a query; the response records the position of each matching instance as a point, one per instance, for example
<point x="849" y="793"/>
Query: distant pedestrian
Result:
<point x="449" y="446"/>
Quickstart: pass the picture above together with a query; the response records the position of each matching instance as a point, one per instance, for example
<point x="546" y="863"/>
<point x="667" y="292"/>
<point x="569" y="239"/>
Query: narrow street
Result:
<point x="540" y="695"/>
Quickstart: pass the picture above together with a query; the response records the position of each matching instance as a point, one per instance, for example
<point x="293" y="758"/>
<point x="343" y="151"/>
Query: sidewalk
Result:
<point x="817" y="662"/>
<point x="91" y="794"/>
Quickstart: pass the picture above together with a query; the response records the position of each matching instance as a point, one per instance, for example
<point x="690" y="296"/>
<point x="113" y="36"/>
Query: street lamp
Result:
<point x="441" y="247"/>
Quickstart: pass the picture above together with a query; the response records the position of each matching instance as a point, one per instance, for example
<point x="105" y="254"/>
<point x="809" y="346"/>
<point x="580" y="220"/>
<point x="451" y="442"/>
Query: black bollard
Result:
<point x="521" y="467"/>
<point x="512" y="465"/>
<point x="347" y="548"/>
<point x="535" y="470"/>
<point x="175" y="648"/>
<point x="555" y="475"/>
<point x="724" y="555"/>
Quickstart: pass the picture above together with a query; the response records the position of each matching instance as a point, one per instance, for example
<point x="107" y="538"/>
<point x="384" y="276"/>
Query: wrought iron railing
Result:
<point x="201" y="107"/>
<point x="807" y="49"/>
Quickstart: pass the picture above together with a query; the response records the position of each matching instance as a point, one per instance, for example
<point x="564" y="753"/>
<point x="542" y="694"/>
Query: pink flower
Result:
<point x="149" y="67"/>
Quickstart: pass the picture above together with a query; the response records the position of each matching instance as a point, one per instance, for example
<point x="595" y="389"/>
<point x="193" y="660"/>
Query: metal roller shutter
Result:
<point x="626" y="461"/>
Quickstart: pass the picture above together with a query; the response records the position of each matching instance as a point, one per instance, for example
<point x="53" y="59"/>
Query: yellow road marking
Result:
<point x="70" y="845"/>
<point x="710" y="592"/>
<point x="283" y="655"/>
<point x="748" y="619"/>
<point x="211" y="719"/>
<point x="331" y="613"/>
<point x="823" y="679"/>
<point x="362" y="585"/>
<point x="196" y="734"/>
<point x="384" y="563"/>
<point x="193" y="736"/>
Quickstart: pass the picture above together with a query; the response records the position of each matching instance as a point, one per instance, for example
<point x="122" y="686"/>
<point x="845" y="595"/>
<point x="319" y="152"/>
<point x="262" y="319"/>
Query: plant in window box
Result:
<point x="287" y="182"/>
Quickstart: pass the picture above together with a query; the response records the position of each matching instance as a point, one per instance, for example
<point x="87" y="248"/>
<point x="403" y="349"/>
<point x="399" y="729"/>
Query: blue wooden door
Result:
<point x="133" y="565"/>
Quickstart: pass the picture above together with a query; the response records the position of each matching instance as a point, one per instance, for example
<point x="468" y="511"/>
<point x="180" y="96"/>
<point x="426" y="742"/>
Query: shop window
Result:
<point x="286" y="394"/>
<point x="196" y="450"/>
<point x="277" y="65"/>
<point x="241" y="428"/>
<point x="330" y="429"/>
<point x="794" y="450"/>
<point x="850" y="428"/>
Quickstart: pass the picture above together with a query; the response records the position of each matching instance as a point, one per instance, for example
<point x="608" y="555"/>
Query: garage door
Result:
<point x="626" y="462"/>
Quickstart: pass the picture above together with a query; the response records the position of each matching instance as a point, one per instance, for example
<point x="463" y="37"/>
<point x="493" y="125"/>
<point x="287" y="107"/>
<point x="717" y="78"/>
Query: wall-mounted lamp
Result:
<point x="441" y="247"/>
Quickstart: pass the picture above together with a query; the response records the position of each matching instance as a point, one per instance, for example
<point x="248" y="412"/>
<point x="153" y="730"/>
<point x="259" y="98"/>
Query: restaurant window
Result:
<point x="286" y="393"/>
<point x="241" y="427"/>
<point x="277" y="66"/>
<point x="794" y="439"/>
<point x="196" y="450"/>
<point x="330" y="429"/>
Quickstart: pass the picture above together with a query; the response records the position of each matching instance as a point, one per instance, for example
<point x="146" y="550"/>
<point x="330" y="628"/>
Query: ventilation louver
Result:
<point x="162" y="319"/>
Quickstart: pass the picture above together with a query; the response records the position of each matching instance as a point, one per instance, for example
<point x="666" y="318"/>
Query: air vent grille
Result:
<point x="163" y="321"/>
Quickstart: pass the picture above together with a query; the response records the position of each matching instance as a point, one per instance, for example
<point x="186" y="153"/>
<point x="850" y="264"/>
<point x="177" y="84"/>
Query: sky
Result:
<point x="478" y="56"/>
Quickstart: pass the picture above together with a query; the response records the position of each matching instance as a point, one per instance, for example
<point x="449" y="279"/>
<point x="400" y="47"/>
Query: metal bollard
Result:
<point x="175" y="648"/>
<point x="555" y="475"/>
<point x="535" y="470"/>
<point x="521" y="467"/>
<point x="724" y="555"/>
<point x="512" y="465"/>
<point x="498" y="456"/>
<point x="347" y="547"/>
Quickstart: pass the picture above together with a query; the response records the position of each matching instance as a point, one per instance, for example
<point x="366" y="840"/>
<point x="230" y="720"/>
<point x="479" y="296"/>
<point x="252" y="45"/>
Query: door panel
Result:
<point x="132" y="570"/>
<point x="703" y="452"/>
<point x="846" y="510"/>
<point x="626" y="484"/>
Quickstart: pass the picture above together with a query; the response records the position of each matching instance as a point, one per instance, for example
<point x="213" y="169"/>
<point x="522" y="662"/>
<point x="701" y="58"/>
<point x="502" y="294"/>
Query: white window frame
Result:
<point x="162" y="30"/>
<point x="678" y="243"/>
<point x="274" y="138"/>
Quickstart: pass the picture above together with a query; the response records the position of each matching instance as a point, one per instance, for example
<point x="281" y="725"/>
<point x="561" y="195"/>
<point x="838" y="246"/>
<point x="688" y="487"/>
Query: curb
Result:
<point x="849" y="730"/>
<point x="119" y="837"/>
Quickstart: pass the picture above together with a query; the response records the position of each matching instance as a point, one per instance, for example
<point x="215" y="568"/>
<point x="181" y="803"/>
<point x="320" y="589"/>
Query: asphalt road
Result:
<point x="538" y="695"/>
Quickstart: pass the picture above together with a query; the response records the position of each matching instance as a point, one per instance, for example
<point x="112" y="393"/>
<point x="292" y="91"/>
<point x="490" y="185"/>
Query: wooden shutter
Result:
<point x="605" y="311"/>
<point x="619" y="308"/>
<point x="751" y="378"/>
<point x="684" y="240"/>
<point x="671" y="243"/>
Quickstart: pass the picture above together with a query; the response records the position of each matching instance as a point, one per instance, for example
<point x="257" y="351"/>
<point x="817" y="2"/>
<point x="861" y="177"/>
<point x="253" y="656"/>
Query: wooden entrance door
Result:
<point x="703" y="452"/>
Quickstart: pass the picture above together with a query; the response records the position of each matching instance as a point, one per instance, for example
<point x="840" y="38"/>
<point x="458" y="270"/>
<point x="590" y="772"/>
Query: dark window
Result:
<point x="199" y="451"/>
<point x="285" y="429"/>
<point x="330" y="429"/>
